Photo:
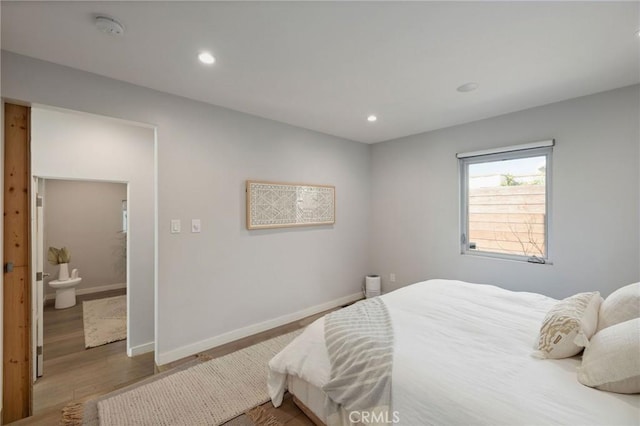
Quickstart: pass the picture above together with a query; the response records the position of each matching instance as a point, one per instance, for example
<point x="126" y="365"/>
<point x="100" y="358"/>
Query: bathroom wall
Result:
<point x="86" y="217"/>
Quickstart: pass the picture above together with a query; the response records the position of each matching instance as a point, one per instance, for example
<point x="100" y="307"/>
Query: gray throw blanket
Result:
<point x="359" y="341"/>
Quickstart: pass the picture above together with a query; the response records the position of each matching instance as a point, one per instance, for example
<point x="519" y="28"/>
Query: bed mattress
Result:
<point x="462" y="355"/>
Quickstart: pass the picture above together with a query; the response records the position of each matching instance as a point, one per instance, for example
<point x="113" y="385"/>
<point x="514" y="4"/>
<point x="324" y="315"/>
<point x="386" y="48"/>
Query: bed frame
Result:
<point x="307" y="412"/>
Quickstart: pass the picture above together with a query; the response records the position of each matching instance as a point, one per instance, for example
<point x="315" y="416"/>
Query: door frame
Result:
<point x="38" y="254"/>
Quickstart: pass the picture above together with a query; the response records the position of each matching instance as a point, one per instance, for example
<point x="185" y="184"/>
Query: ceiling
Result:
<point x="327" y="65"/>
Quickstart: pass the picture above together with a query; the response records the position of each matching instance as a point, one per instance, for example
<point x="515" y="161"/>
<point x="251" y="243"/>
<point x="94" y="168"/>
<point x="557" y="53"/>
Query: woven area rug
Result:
<point x="205" y="393"/>
<point x="105" y="320"/>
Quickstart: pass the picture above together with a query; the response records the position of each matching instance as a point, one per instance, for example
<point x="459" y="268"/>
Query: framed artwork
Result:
<point x="280" y="205"/>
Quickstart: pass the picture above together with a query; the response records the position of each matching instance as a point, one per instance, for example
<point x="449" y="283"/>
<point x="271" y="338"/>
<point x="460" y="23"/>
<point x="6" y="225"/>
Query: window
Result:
<point x="505" y="202"/>
<point x="124" y="216"/>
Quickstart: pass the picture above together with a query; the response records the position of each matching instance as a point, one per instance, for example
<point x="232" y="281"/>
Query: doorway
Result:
<point x="81" y="347"/>
<point x="80" y="236"/>
<point x="73" y="146"/>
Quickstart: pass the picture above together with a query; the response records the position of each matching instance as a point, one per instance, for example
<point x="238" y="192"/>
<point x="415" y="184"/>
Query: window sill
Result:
<point x="506" y="257"/>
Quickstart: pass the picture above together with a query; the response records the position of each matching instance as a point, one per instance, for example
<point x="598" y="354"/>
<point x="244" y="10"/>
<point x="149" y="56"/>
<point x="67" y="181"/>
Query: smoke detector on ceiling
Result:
<point x="109" y="25"/>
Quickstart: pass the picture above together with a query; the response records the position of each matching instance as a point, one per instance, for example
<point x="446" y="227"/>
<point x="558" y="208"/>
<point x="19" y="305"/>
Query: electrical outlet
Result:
<point x="392" y="277"/>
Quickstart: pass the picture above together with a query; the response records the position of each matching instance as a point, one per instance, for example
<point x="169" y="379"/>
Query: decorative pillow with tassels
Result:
<point x="568" y="326"/>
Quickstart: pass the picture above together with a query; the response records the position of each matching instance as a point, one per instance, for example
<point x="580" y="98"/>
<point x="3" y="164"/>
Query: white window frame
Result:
<point x="535" y="149"/>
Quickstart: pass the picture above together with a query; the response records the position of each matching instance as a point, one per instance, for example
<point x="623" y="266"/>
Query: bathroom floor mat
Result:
<point x="105" y="320"/>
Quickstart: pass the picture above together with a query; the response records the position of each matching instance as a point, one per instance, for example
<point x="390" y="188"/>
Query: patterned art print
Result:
<point x="274" y="205"/>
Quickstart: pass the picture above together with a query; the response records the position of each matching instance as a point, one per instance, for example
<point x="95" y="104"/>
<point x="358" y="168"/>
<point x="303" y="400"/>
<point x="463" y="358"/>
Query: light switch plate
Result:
<point x="175" y="226"/>
<point x="195" y="225"/>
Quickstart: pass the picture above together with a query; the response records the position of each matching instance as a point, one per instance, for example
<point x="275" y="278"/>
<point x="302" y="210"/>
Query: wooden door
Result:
<point x="16" y="389"/>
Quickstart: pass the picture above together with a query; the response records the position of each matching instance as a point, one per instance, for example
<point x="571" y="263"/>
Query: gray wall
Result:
<point x="225" y="278"/>
<point x="86" y="217"/>
<point x="594" y="243"/>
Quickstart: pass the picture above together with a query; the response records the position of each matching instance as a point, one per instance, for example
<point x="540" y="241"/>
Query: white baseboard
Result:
<point x="89" y="290"/>
<point x="140" y="349"/>
<point x="203" y="345"/>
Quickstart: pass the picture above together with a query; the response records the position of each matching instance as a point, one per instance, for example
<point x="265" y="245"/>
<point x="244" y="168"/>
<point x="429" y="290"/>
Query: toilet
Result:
<point x="66" y="290"/>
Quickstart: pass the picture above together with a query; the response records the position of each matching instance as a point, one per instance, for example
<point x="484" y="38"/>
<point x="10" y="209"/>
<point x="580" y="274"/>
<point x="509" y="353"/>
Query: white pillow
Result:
<point x="568" y="326"/>
<point x="621" y="305"/>
<point x="612" y="360"/>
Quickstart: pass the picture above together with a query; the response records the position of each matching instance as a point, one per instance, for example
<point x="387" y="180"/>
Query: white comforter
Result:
<point x="462" y="356"/>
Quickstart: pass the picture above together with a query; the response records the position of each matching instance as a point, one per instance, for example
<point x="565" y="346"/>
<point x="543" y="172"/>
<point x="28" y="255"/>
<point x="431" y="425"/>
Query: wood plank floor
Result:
<point x="75" y="374"/>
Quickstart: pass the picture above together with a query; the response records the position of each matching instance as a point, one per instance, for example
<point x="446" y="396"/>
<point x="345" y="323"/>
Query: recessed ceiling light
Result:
<point x="372" y="118"/>
<point x="467" y="87"/>
<point x="109" y="25"/>
<point x="206" y="58"/>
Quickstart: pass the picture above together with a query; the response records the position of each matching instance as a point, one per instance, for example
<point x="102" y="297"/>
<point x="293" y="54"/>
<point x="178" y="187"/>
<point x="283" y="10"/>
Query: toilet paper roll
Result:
<point x="372" y="284"/>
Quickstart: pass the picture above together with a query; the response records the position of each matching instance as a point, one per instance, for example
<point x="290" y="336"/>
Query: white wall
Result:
<point x="594" y="243"/>
<point x="67" y="145"/>
<point x="226" y="278"/>
<point x="86" y="217"/>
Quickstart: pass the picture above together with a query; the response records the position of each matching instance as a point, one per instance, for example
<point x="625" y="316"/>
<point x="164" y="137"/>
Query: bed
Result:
<point x="462" y="354"/>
